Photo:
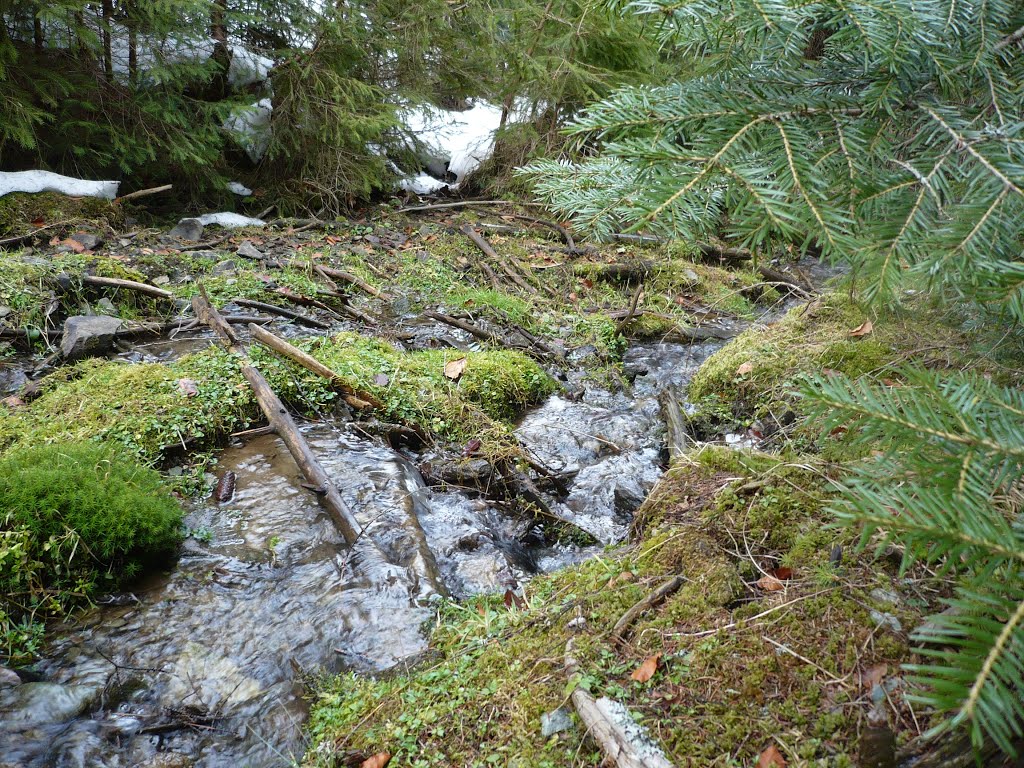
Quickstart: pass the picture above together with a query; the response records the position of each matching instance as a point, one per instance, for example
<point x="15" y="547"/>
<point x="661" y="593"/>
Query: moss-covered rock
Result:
<point x="148" y="409"/>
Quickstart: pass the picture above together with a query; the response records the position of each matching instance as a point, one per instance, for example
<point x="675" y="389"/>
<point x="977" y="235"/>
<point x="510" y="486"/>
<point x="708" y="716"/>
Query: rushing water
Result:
<point x="266" y="591"/>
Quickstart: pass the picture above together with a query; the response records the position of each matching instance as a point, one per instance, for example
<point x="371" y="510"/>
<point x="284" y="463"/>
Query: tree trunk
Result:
<point x="108" y="58"/>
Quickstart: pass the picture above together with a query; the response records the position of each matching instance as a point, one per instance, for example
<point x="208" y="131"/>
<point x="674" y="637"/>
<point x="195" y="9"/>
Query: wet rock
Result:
<point x="689" y="278"/>
<point x="86" y="335"/>
<point x="8" y="678"/>
<point x="884" y="597"/>
<point x="12" y="381"/>
<point x="555" y="721"/>
<point x="5" y="310"/>
<point x="188" y="229"/>
<point x="40" y="703"/>
<point x="581" y="355"/>
<point x="226" y="267"/>
<point x="87" y="240"/>
<point x="249" y="251"/>
<point x="106" y="306"/>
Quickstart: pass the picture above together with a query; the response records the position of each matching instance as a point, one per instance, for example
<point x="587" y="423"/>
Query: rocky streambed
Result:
<point x="206" y="665"/>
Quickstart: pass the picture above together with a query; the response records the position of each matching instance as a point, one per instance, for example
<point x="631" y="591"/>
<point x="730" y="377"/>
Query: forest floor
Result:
<point x="779" y="642"/>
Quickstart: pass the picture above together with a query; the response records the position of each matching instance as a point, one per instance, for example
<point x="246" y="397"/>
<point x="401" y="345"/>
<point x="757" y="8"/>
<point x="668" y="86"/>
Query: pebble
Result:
<point x="8" y="678"/>
<point x="555" y="721"/>
<point x="577" y="624"/>
<point x="886" y="620"/>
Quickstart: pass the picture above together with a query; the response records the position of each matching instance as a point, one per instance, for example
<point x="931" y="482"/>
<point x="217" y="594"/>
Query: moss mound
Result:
<point x="153" y="409"/>
<point x="22" y="213"/>
<point x="76" y="519"/>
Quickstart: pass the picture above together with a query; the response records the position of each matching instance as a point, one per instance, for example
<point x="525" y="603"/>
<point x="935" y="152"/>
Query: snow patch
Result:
<point x="33" y="182"/>
<point x="230" y="220"/>
<point x="251" y="128"/>
<point x="463" y="140"/>
<point x="423" y="184"/>
<point x="238" y="188"/>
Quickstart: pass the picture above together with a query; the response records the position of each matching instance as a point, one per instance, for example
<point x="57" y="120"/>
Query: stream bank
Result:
<point x="209" y="661"/>
<point x="564" y="371"/>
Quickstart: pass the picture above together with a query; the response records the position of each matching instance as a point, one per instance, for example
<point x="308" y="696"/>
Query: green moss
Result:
<point x="723" y="691"/>
<point x="22" y="213"/>
<point x="143" y="408"/>
<point x="75" y="519"/>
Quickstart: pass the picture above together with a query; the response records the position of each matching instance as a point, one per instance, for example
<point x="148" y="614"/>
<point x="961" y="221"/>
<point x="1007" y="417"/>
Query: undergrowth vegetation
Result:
<point x="76" y="520"/>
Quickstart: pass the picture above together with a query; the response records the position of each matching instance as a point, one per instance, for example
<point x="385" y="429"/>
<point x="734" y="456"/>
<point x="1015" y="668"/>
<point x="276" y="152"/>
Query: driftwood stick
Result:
<point x="465" y="204"/>
<point x="183" y="324"/>
<point x="569" y="242"/>
<point x="606" y="730"/>
<point x="283" y="424"/>
<point x="489" y="251"/>
<point x="472" y="330"/>
<point x="128" y="285"/>
<point x="621" y="628"/>
<point x="348" y="277"/>
<point x="679" y="440"/>
<point x="631" y="313"/>
<point x="283" y="312"/>
<point x="202" y="246"/>
<point x="143" y="193"/>
<point x="354" y="397"/>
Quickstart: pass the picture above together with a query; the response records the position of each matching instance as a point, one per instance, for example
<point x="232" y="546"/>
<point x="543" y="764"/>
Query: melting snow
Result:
<point x="44" y="181"/>
<point x="238" y="188"/>
<point x="230" y="220"/>
<point x="462" y="139"/>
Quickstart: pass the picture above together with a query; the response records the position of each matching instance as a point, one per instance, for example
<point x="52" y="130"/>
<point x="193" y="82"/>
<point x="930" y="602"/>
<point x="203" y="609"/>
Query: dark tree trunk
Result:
<point x="108" y="58"/>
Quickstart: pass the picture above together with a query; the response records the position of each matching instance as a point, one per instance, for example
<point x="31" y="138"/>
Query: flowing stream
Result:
<point x="265" y="590"/>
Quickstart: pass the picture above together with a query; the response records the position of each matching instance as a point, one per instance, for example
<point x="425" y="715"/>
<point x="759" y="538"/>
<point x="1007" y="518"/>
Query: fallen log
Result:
<point x="624" y="743"/>
<point x="128" y="285"/>
<point x="354" y="397"/>
<point x="283" y="312"/>
<point x="283" y="424"/>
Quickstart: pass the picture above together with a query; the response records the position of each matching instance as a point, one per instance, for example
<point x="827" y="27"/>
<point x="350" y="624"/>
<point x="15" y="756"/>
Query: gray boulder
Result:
<point x="87" y="335"/>
<point x="188" y="229"/>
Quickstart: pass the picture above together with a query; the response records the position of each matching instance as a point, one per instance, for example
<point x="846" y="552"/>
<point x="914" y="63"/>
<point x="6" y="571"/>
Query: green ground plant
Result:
<point x="76" y="519"/>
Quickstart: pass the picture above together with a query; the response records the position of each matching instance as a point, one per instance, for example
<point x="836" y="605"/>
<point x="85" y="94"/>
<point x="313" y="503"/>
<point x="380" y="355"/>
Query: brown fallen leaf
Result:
<point x="512" y="600"/>
<point x="13" y="401"/>
<point x="770" y="584"/>
<point x="771" y="758"/>
<point x="74" y="245"/>
<point x="376" y="761"/>
<point x="744" y="369"/>
<point x="646" y="671"/>
<point x="863" y="329"/>
<point x="454" y="368"/>
<point x="874" y="676"/>
<point x="188" y="387"/>
<point x="783" y="573"/>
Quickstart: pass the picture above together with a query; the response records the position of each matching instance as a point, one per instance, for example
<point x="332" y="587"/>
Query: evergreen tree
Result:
<point x="890" y="136"/>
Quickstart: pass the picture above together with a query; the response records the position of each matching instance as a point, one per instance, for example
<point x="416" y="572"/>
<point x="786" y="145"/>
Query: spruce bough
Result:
<point x="888" y="136"/>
